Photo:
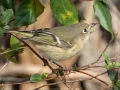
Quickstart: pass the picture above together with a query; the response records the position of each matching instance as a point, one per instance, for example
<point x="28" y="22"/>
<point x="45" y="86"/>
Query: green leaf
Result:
<point x="14" y="49"/>
<point x="15" y="46"/>
<point x="9" y="4"/>
<point x="105" y="1"/>
<point x="2" y="31"/>
<point x="116" y="77"/>
<point x="103" y="15"/>
<point x="6" y="16"/>
<point x="118" y="84"/>
<point x="36" y="78"/>
<point x="111" y="75"/>
<point x="65" y="12"/>
<point x="9" y="55"/>
<point x="14" y="42"/>
<point x="114" y="64"/>
<point x="44" y="76"/>
<point x="60" y="72"/>
<point x="106" y="58"/>
<point x="6" y="27"/>
<point x="27" y="12"/>
<point x="5" y="19"/>
<point x="2" y="9"/>
<point x="116" y="88"/>
<point x="15" y="61"/>
<point x="108" y="67"/>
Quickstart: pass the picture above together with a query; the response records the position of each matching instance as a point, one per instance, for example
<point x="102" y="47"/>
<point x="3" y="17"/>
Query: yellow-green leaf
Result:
<point x="65" y="12"/>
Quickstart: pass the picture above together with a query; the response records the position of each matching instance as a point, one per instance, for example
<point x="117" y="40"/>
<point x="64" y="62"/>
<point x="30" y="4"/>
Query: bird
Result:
<point x="58" y="43"/>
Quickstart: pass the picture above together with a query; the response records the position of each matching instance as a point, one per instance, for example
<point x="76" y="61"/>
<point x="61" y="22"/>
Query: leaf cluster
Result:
<point x="111" y="66"/>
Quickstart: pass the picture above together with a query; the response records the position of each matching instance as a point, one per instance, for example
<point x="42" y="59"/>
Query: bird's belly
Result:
<point x="56" y="53"/>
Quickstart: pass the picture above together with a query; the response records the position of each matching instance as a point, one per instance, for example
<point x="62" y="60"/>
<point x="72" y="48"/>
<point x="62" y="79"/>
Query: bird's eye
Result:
<point x="85" y="30"/>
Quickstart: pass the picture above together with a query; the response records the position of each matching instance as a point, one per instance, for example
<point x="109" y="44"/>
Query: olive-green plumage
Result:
<point x="59" y="43"/>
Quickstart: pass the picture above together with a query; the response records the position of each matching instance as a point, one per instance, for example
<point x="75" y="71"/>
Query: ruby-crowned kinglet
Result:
<point x="59" y="43"/>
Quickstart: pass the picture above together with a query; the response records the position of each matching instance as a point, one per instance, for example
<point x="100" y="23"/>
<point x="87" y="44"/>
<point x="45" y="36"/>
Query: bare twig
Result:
<point x="23" y="80"/>
<point x="30" y="48"/>
<point x="102" y="53"/>
<point x="7" y="80"/>
<point x="92" y="77"/>
<point x="40" y="57"/>
<point x="11" y="50"/>
<point x="87" y="66"/>
<point x="8" y="60"/>
<point x="95" y="77"/>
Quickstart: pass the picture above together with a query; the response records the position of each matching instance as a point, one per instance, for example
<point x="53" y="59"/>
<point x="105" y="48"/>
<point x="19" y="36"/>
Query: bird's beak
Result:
<point x="91" y="27"/>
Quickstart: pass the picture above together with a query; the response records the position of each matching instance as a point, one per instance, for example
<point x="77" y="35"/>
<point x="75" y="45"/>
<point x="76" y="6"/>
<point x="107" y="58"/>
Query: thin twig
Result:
<point x="40" y="57"/>
<point x="95" y="77"/>
<point x="7" y="80"/>
<point x="58" y="76"/>
<point x="87" y="66"/>
<point x="30" y="48"/>
<point x="8" y="60"/>
<point x="101" y="53"/>
<point x="22" y="81"/>
<point x="11" y="50"/>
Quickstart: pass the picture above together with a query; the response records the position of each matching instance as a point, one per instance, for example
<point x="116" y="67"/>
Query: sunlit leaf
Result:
<point x="44" y="76"/>
<point x="115" y="64"/>
<point x="65" y="12"/>
<point x="36" y="78"/>
<point x="14" y="42"/>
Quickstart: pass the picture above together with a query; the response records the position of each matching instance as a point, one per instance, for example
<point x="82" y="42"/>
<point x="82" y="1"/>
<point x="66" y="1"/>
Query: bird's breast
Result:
<point x="60" y="54"/>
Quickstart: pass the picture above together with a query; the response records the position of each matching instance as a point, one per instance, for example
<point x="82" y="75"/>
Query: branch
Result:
<point x="8" y="60"/>
<point x="40" y="57"/>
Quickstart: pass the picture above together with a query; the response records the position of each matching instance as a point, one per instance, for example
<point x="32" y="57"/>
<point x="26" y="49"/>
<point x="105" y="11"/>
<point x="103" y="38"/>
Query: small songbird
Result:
<point x="58" y="43"/>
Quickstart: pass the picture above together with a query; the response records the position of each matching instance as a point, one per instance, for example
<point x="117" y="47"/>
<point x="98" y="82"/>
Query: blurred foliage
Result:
<point x="111" y="66"/>
<point x="38" y="78"/>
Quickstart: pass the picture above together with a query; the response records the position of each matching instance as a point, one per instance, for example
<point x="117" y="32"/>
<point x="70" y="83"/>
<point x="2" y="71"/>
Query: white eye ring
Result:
<point x="85" y="30"/>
